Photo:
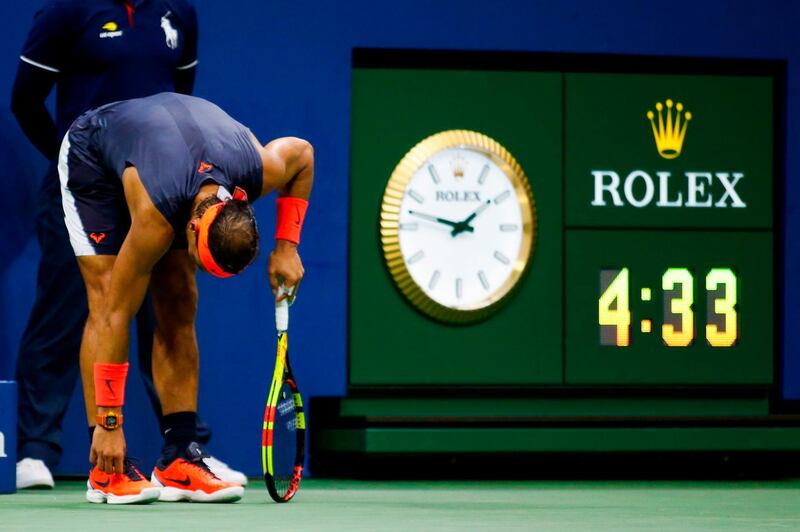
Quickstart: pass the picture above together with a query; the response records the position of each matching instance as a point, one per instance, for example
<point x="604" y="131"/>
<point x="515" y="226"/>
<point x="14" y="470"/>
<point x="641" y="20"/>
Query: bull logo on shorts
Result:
<point x="97" y="237"/>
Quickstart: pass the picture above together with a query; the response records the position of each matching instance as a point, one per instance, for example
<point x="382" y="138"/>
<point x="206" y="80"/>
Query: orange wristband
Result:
<point x="291" y="213"/>
<point x="109" y="384"/>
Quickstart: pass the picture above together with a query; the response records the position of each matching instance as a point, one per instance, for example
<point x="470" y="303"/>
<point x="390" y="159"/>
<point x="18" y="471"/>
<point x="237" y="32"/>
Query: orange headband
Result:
<point x="203" y="227"/>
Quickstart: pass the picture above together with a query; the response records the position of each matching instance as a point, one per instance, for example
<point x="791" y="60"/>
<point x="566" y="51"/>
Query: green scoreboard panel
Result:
<point x="669" y="256"/>
<point x="655" y="250"/>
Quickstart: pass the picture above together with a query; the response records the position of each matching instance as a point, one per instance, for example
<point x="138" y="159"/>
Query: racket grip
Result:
<point x="282" y="311"/>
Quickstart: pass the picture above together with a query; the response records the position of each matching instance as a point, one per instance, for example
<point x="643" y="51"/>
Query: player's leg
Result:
<point x="97" y="222"/>
<point x="131" y="486"/>
<point x="175" y="353"/>
<point x="181" y="472"/>
<point x="145" y="328"/>
<point x="47" y="365"/>
<point x="145" y="325"/>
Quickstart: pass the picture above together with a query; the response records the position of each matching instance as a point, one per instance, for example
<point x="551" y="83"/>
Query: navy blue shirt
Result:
<point x="176" y="142"/>
<point x="108" y="50"/>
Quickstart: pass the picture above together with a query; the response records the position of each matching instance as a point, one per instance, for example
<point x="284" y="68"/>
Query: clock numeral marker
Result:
<point x="502" y="197"/>
<point x="458" y="288"/>
<point x="434" y="174"/>
<point x="484" y="173"/>
<point x="483" y="279"/>
<point x="409" y="227"/>
<point x="508" y="227"/>
<point x="416" y="257"/>
<point x="502" y="258"/>
<point x="434" y="280"/>
<point x="416" y="196"/>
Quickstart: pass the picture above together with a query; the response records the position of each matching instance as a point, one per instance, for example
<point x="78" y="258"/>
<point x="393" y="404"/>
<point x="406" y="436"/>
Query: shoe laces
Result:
<point x="201" y="464"/>
<point x="129" y="469"/>
<point x="195" y="455"/>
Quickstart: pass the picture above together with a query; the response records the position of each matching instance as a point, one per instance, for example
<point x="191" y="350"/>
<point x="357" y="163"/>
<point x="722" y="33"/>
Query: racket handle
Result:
<point x="282" y="310"/>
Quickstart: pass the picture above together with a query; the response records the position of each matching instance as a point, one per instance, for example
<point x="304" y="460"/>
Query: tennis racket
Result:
<point x="284" y="430"/>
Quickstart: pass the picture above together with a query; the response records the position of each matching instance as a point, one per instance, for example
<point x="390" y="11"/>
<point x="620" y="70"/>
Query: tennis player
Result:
<point x="152" y="189"/>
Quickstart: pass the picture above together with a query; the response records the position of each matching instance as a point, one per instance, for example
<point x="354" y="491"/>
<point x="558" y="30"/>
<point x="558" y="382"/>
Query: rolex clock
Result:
<point x="458" y="225"/>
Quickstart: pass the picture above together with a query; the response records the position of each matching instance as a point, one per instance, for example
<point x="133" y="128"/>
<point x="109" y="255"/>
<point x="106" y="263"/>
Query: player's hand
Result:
<point x="285" y="266"/>
<point x="108" y="450"/>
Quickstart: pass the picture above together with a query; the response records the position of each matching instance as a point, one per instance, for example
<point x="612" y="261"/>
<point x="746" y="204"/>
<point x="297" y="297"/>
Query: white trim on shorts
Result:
<point x="77" y="234"/>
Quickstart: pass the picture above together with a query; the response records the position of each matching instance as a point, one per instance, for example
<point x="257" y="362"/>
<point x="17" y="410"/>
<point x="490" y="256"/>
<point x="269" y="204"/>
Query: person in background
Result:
<point x="94" y="52"/>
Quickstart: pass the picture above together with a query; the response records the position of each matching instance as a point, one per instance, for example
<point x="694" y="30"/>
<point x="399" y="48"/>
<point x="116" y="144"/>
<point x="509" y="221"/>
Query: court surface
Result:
<point x="436" y="505"/>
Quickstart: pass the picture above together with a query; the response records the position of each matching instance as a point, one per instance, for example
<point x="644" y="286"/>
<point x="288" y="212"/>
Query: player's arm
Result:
<point x="288" y="167"/>
<point x="149" y="237"/>
<point x="147" y="241"/>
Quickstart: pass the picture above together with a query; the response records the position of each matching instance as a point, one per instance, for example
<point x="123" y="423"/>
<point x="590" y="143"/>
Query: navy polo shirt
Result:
<point x="110" y="50"/>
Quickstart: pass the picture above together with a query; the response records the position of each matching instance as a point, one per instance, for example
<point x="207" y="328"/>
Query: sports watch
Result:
<point x="109" y="420"/>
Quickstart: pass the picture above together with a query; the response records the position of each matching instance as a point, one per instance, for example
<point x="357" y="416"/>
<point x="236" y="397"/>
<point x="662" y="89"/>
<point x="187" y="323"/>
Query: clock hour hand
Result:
<point x="433" y="218"/>
<point x="462" y="226"/>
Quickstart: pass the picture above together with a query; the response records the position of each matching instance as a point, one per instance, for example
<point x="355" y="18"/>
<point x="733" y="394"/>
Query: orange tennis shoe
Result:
<point x="129" y="487"/>
<point x="189" y="479"/>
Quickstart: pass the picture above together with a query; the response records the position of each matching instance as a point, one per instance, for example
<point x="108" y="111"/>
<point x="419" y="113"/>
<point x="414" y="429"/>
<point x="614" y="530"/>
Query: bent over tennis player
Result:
<point x="153" y="188"/>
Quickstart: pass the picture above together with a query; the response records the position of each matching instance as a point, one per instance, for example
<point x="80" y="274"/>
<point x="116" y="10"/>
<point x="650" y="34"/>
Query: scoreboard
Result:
<point x="654" y="255"/>
<point x="669" y="225"/>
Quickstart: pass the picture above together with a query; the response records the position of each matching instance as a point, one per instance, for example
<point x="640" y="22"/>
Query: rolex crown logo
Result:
<point x="670" y="130"/>
<point x="457" y="165"/>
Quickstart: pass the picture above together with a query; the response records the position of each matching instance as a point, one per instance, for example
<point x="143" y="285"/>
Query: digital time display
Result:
<point x="678" y="327"/>
<point x="661" y="306"/>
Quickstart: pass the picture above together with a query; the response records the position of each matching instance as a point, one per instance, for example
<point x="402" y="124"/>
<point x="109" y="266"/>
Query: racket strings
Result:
<point x="284" y="445"/>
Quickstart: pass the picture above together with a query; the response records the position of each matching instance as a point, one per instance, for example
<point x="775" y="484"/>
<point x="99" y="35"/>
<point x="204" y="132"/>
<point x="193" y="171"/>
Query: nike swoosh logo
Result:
<point x="184" y="482"/>
<point x="110" y="389"/>
<point x="103" y="484"/>
<point x="297" y="212"/>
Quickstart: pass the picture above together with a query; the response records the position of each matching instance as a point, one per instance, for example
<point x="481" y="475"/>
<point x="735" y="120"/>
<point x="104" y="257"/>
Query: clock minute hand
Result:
<point x="433" y="218"/>
<point x="477" y="212"/>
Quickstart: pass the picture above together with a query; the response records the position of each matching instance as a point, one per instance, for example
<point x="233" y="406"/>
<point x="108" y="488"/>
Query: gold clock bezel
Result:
<point x="390" y="222"/>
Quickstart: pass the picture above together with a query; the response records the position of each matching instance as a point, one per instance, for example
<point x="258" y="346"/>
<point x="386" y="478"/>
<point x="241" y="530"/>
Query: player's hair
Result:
<point x="233" y="235"/>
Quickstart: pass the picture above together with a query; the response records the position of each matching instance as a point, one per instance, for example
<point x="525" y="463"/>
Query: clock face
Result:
<point x="458" y="221"/>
